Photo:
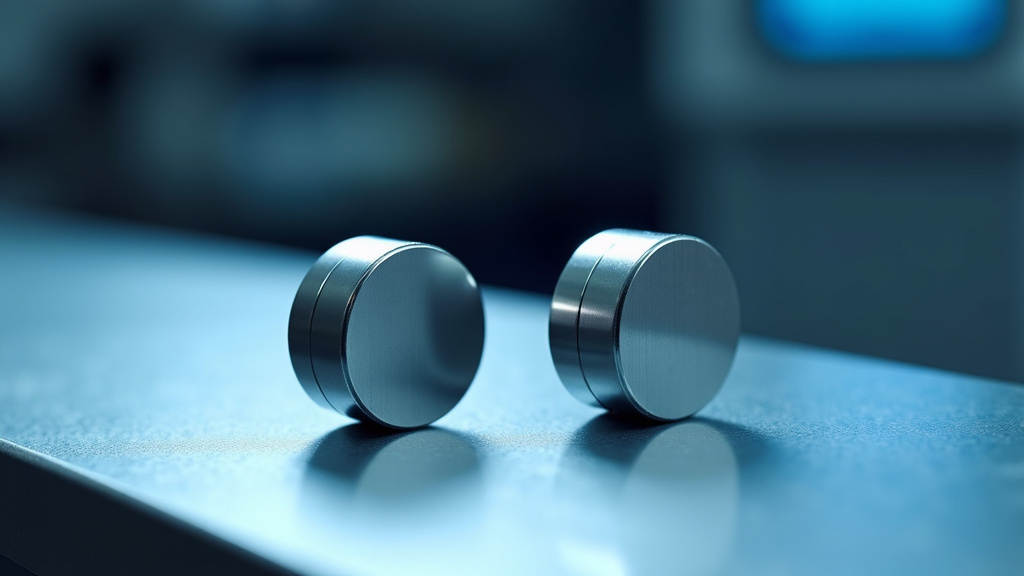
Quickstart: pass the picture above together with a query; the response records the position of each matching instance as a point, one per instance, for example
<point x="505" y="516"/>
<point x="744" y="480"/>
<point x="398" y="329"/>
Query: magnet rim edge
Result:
<point x="361" y="252"/>
<point x="567" y="307"/>
<point x="598" y="327"/>
<point x="564" y="314"/>
<point x="300" y="321"/>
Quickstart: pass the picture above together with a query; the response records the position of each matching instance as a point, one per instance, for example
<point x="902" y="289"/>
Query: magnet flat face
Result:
<point x="678" y="329"/>
<point x="396" y="332"/>
<point x="656" y="324"/>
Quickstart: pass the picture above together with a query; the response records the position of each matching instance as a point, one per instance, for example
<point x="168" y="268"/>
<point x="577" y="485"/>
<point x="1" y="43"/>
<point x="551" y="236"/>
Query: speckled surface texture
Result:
<point x="156" y="363"/>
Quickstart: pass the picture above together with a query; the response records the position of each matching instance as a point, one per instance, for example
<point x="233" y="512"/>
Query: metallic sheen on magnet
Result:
<point x="387" y="331"/>
<point x="645" y="324"/>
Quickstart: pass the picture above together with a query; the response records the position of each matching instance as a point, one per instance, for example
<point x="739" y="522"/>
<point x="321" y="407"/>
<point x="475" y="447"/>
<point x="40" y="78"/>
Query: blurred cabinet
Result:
<point x="873" y="205"/>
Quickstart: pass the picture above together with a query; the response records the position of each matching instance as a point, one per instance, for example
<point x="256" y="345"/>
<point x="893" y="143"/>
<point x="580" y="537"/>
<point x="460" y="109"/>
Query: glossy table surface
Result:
<point x="153" y="365"/>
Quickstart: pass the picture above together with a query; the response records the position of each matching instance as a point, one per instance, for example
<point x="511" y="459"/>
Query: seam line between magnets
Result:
<point x="579" y="312"/>
<point x="309" y="335"/>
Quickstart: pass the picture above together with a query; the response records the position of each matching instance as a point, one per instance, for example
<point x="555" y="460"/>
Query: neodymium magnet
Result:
<point x="387" y="331"/>
<point x="644" y="323"/>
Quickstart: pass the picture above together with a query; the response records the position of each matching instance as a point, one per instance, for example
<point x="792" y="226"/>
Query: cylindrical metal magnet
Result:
<point x="644" y="323"/>
<point x="387" y="331"/>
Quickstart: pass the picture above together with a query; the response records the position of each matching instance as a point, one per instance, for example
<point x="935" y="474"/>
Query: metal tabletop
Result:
<point x="150" y="417"/>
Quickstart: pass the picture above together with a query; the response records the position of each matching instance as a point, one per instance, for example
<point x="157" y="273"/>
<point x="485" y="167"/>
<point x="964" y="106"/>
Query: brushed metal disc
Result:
<point x="645" y="323"/>
<point x="395" y="333"/>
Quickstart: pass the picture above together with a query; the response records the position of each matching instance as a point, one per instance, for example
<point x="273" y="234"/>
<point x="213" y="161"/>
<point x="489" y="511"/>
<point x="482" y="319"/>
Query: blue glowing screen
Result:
<point x="881" y="29"/>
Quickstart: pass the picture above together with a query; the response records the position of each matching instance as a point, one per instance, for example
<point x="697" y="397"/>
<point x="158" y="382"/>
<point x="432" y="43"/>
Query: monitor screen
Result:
<point x="830" y="30"/>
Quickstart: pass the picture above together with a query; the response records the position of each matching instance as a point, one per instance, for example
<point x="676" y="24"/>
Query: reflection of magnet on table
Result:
<point x="659" y="500"/>
<point x="395" y="466"/>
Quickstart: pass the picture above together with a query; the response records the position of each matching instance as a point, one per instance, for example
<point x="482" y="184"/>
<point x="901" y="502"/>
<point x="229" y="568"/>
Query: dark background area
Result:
<point x="861" y="167"/>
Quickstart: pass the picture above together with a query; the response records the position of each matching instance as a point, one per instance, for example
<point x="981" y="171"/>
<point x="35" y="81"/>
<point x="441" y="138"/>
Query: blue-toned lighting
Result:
<point x="881" y="29"/>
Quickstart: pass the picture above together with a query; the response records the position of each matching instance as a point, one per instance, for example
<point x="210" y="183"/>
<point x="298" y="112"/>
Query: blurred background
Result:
<point x="859" y="163"/>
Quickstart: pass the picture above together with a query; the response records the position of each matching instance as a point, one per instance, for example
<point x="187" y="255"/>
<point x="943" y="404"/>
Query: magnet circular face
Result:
<point x="644" y="323"/>
<point x="387" y="331"/>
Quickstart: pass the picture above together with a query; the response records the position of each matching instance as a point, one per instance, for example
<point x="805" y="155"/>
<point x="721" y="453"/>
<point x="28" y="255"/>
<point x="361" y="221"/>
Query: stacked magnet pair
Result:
<point x="645" y="324"/>
<point x="387" y="331"/>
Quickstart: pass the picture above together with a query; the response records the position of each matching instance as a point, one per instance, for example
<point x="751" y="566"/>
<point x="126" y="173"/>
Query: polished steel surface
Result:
<point x="396" y="334"/>
<point x="565" y="314"/>
<point x="679" y="325"/>
<point x="300" y="322"/>
<point x="162" y="375"/>
<point x="414" y="337"/>
<point x="330" y="316"/>
<point x="647" y="322"/>
<point x="598" y="325"/>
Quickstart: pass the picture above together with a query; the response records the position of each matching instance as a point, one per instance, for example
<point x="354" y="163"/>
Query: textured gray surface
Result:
<point x="156" y="364"/>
